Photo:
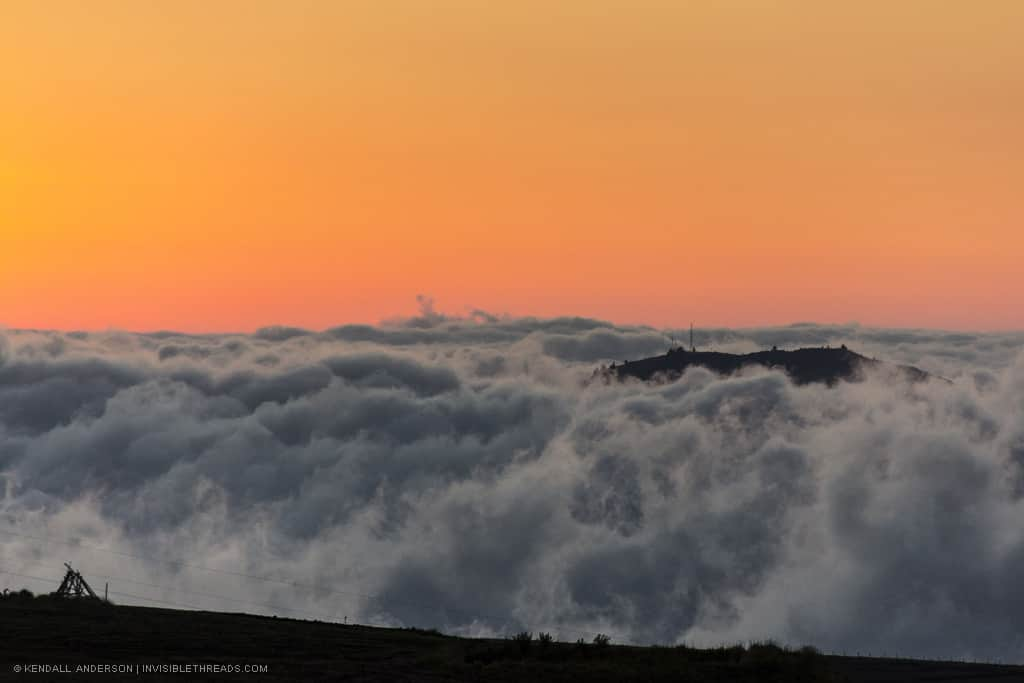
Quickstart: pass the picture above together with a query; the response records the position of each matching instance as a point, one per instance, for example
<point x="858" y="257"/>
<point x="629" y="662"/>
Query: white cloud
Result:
<point x="459" y="473"/>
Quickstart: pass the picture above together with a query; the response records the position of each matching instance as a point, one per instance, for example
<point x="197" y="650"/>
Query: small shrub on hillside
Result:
<point x="523" y="640"/>
<point x="424" y="631"/>
<point x="732" y="653"/>
<point x="767" y="651"/>
<point x="602" y="641"/>
<point x="23" y="594"/>
<point x="544" y="638"/>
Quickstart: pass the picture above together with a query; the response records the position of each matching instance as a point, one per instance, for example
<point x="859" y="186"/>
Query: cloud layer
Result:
<point x="459" y="473"/>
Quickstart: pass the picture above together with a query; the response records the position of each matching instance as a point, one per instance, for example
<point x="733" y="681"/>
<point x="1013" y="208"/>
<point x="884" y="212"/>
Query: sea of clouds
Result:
<point x="461" y="473"/>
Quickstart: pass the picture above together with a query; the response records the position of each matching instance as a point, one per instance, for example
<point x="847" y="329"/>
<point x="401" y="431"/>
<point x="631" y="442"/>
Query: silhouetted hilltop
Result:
<point x="821" y="364"/>
<point x="53" y="637"/>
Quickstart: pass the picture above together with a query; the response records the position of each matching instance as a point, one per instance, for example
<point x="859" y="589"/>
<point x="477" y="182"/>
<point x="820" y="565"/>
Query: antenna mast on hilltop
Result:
<point x="692" y="347"/>
<point x="74" y="585"/>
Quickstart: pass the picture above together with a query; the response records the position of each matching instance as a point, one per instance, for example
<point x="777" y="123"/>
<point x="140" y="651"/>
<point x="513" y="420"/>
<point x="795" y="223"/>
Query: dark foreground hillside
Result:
<point x="63" y="636"/>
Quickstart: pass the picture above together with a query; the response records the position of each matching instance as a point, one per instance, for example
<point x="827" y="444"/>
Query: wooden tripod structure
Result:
<point x="74" y="585"/>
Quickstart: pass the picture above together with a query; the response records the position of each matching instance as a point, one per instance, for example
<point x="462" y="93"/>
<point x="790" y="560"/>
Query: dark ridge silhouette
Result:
<point x="822" y="364"/>
<point x="52" y="636"/>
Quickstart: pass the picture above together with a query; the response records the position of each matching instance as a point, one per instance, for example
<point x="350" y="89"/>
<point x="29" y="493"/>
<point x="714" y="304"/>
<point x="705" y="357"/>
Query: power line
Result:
<point x="329" y="619"/>
<point x="200" y="608"/>
<point x="175" y="563"/>
<point x="187" y="565"/>
<point x="294" y="584"/>
<point x="124" y="595"/>
<point x="199" y="594"/>
<point x="320" y="617"/>
<point x="118" y="593"/>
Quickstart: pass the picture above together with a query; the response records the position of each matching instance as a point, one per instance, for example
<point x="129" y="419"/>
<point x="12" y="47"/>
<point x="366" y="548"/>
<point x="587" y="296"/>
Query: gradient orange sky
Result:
<point x="211" y="165"/>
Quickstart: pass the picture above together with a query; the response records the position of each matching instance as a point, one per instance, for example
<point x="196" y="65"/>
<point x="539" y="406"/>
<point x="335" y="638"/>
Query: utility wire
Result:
<point x="199" y="608"/>
<point x="117" y="593"/>
<point x="172" y="603"/>
<point x="200" y="594"/>
<point x="294" y="584"/>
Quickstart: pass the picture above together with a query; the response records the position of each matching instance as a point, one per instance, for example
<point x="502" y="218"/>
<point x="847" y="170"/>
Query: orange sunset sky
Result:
<point x="210" y="165"/>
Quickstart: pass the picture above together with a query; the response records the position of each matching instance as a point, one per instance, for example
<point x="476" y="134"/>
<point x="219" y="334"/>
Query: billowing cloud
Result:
<point x="461" y="473"/>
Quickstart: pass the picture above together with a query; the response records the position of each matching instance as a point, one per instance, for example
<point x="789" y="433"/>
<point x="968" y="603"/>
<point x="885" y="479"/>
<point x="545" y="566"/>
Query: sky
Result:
<point x="222" y="166"/>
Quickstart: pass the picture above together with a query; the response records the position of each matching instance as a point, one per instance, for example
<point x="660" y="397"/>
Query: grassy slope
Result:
<point x="45" y="631"/>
